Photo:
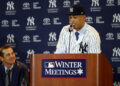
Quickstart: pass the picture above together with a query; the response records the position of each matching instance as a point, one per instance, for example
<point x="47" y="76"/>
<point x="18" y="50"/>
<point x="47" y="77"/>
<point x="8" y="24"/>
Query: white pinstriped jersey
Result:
<point x="88" y="42"/>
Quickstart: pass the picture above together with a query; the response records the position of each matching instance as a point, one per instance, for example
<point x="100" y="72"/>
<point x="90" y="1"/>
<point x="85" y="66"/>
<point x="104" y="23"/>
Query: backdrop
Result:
<point x="33" y="26"/>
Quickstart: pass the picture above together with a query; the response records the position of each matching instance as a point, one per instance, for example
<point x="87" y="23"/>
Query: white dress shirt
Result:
<point x="88" y="41"/>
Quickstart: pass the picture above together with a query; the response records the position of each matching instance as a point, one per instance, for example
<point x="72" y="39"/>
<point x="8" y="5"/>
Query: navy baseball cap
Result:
<point x="76" y="10"/>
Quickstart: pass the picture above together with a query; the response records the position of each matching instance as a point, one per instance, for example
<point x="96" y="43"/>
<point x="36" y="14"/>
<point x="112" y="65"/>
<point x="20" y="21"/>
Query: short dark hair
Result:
<point x="2" y="48"/>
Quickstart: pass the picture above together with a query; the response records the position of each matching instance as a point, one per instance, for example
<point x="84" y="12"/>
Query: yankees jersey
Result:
<point x="88" y="41"/>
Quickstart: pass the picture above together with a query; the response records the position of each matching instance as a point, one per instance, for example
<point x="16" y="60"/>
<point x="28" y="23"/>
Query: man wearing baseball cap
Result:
<point x="78" y="37"/>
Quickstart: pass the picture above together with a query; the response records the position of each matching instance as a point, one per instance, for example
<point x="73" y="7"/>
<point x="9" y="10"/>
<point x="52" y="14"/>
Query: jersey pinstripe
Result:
<point x="88" y="42"/>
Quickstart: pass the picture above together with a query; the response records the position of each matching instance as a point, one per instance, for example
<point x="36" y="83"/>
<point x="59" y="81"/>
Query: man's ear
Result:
<point x="1" y="59"/>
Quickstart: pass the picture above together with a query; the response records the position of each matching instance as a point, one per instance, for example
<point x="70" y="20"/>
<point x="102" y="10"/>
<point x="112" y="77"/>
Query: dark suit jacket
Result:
<point x="19" y="72"/>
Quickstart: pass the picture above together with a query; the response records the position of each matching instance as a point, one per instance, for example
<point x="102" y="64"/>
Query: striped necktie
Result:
<point x="77" y="35"/>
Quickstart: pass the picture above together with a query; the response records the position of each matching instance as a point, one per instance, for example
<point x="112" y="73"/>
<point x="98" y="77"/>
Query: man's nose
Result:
<point x="11" y="55"/>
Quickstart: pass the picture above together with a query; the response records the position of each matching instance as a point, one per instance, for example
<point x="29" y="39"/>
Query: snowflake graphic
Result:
<point x="80" y="71"/>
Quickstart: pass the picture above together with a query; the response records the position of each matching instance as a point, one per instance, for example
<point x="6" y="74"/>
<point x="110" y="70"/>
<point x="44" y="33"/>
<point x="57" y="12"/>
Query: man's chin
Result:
<point x="11" y="63"/>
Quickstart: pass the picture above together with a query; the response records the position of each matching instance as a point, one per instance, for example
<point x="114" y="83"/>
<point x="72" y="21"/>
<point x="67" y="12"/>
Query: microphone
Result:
<point x="70" y="30"/>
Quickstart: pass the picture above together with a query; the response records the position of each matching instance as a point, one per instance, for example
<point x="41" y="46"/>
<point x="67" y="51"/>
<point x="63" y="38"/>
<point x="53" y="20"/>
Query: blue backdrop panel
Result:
<point x="33" y="26"/>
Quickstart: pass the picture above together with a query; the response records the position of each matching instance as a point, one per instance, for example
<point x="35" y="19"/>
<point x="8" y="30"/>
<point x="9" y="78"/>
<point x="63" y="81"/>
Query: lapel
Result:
<point x="15" y="75"/>
<point x="2" y="78"/>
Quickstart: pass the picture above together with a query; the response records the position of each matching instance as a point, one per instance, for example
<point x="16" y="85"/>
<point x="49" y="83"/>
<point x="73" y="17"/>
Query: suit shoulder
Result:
<point x="20" y="64"/>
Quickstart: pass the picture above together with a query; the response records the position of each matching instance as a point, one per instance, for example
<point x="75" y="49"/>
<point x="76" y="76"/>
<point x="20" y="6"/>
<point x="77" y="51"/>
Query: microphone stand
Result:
<point x="70" y="30"/>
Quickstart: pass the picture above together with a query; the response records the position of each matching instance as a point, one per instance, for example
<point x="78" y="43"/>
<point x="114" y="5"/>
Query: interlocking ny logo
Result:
<point x="95" y="3"/>
<point x="52" y="36"/>
<point x="10" y="5"/>
<point x="83" y="47"/>
<point x="116" y="84"/>
<point x="52" y="3"/>
<point x="30" y="21"/>
<point x="116" y="51"/>
<point x="29" y="52"/>
<point x="10" y="38"/>
<point x="116" y="17"/>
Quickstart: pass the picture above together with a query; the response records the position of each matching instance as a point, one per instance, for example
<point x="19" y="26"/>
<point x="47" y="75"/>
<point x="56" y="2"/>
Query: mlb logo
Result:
<point x="49" y="65"/>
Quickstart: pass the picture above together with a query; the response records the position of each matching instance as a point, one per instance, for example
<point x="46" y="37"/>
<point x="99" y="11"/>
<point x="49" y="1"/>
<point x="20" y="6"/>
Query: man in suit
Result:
<point x="12" y="72"/>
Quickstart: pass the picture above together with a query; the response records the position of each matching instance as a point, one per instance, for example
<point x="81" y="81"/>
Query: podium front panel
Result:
<point x="46" y="71"/>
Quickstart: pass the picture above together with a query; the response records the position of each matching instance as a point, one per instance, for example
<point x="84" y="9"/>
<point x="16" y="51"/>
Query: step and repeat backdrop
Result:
<point x="33" y="26"/>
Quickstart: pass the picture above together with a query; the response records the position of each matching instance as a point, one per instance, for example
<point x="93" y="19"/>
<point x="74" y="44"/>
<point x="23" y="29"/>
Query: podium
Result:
<point x="95" y="70"/>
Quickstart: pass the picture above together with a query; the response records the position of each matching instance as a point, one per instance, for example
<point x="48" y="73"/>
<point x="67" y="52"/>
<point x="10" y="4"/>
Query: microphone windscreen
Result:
<point x="70" y="28"/>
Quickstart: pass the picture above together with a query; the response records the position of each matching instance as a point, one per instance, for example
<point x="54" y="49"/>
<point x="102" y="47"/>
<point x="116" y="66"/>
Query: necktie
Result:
<point x="77" y="35"/>
<point x="7" y="78"/>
